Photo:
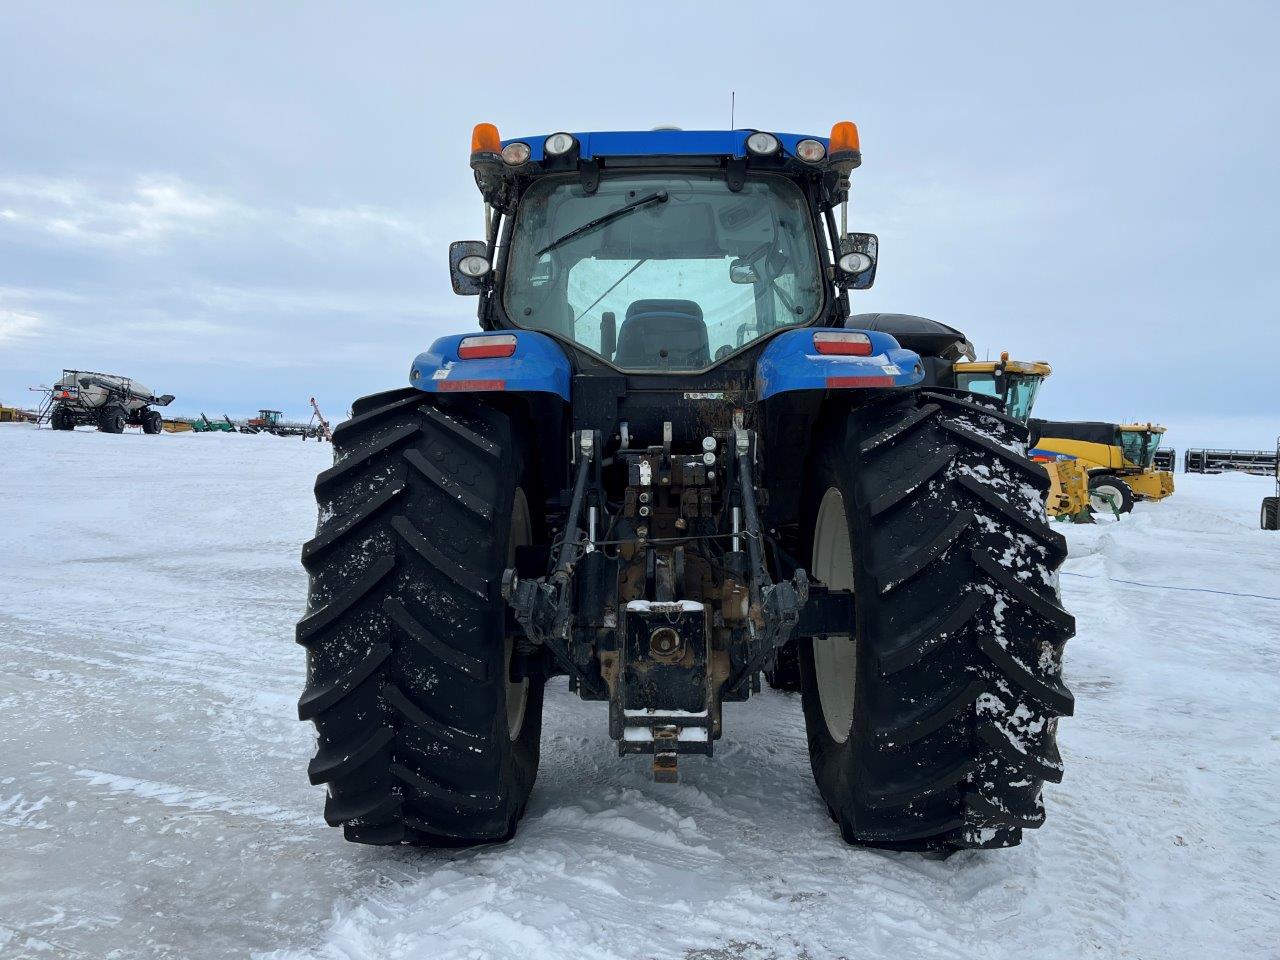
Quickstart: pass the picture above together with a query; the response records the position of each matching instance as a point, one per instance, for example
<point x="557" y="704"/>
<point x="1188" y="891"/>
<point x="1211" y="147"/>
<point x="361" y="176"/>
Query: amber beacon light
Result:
<point x="844" y="145"/>
<point x="485" y="139"/>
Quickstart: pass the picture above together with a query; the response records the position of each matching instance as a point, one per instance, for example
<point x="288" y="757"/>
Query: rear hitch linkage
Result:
<point x="665" y="663"/>
<point x="544" y="607"/>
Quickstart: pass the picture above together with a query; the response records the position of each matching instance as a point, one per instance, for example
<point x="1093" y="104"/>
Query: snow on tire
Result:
<point x="934" y="725"/>
<point x="407" y="657"/>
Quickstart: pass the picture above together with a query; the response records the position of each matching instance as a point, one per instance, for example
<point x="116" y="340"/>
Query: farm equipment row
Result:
<point x="111" y="402"/>
<point x="267" y="421"/>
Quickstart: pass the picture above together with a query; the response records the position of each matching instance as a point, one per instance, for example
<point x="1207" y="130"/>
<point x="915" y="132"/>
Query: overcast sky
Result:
<point x="248" y="204"/>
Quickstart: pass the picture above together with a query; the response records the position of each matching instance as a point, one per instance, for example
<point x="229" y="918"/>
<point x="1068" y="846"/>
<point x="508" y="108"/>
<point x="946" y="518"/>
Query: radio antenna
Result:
<point x="732" y="98"/>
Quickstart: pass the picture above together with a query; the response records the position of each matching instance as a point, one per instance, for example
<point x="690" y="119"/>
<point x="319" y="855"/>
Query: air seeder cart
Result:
<point x="668" y="452"/>
<point x="104" y="400"/>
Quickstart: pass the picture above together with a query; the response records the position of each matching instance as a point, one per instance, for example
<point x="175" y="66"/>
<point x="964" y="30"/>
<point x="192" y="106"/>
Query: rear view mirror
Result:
<point x="468" y="266"/>
<point x="856" y="266"/>
<point x="740" y="271"/>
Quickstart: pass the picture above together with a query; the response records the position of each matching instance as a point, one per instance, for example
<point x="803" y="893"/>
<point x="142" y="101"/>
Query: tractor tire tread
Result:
<point x="337" y="607"/>
<point x="1030" y="470"/>
<point x="899" y="430"/>
<point x="917" y="645"/>
<point x="404" y="628"/>
<point x="340" y="759"/>
<point x="357" y="517"/>
<point x="958" y="610"/>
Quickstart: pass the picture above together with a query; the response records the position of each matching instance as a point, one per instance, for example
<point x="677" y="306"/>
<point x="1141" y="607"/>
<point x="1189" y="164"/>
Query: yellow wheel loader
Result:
<point x="1016" y="383"/>
<point x="1120" y="457"/>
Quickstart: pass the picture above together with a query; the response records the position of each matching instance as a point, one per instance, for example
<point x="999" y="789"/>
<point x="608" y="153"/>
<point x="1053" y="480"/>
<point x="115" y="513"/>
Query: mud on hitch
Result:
<point x="657" y="596"/>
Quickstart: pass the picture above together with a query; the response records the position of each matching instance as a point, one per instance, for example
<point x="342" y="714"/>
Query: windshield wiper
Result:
<point x="659" y="196"/>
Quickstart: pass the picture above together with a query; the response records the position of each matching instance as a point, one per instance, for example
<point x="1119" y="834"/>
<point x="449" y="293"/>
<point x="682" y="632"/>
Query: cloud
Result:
<point x="149" y="210"/>
<point x="267" y="301"/>
<point x="155" y="210"/>
<point x="16" y="326"/>
<point x="360" y="219"/>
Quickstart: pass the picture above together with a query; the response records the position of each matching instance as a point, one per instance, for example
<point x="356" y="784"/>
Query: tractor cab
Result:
<point x="1138" y="443"/>
<point x="1014" y="382"/>
<point x="665" y="251"/>
<point x="267" y="418"/>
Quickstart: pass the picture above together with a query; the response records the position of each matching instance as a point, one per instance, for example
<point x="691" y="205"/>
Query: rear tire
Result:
<point x="1271" y="513"/>
<point x="60" y="419"/>
<point x="1113" y="485"/>
<point x="934" y="727"/>
<point x="422" y="739"/>
<point x="113" y="419"/>
<point x="152" y="422"/>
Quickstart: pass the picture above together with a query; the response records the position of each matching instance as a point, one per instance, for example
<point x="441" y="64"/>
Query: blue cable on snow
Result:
<point x="1162" y="586"/>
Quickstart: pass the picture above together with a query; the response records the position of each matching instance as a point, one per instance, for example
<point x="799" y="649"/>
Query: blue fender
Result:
<point x="537" y="366"/>
<point x="791" y="362"/>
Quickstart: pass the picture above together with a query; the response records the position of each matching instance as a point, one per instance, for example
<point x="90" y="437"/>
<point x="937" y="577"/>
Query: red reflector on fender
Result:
<point x="485" y="348"/>
<point x="836" y="383"/>
<point x="447" y="386"/>
<point x="839" y="343"/>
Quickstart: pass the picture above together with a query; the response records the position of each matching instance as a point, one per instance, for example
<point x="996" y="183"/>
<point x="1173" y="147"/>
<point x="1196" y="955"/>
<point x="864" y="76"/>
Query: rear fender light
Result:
<point x="842" y="344"/>
<point x="487" y="348"/>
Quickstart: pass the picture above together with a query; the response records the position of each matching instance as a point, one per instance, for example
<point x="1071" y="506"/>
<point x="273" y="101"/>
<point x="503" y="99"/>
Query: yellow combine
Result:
<point x="1017" y="382"/>
<point x="1119" y="457"/>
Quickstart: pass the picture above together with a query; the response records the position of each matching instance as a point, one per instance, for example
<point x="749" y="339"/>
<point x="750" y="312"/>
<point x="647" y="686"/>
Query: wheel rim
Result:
<point x="835" y="659"/>
<point x="517" y="693"/>
<point x="1100" y="504"/>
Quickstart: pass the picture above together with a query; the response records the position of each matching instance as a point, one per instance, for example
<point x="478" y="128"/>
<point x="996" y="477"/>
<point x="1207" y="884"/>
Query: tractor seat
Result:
<point x="654" y="326"/>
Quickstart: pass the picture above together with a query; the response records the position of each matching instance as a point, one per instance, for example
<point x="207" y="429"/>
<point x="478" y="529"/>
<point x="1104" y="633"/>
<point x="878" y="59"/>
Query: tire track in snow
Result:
<point x="184" y="798"/>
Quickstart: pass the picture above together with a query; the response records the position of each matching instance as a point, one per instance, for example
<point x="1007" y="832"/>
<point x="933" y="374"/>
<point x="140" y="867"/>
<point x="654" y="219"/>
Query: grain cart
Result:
<point x="106" y="401"/>
<point x="666" y="452"/>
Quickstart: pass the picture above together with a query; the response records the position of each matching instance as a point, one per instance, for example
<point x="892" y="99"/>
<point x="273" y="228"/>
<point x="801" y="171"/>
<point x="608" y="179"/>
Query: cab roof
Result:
<point x="1031" y="368"/>
<point x="663" y="143"/>
<point x="1142" y="428"/>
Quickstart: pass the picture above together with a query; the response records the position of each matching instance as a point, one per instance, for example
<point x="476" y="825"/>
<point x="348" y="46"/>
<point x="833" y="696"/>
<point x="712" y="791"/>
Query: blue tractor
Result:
<point x="671" y="460"/>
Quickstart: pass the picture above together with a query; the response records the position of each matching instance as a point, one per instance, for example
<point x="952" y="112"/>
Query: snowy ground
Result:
<point x="153" y="801"/>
